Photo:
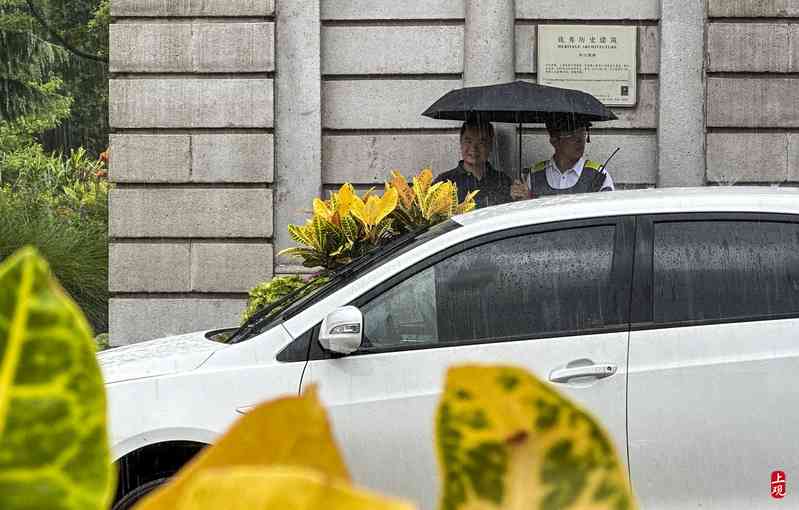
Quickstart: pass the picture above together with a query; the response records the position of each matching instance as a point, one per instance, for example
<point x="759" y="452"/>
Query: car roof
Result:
<point x="760" y="199"/>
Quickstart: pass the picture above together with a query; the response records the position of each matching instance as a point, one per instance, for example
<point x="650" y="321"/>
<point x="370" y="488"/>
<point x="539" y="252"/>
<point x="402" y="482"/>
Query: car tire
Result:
<point x="130" y="499"/>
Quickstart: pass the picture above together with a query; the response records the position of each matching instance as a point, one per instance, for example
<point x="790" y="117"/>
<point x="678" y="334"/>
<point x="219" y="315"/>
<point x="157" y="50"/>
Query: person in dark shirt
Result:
<point x="474" y="172"/>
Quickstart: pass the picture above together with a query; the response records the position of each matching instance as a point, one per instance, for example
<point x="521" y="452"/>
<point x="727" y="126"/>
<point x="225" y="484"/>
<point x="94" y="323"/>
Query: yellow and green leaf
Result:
<point x="507" y="441"/>
<point x="53" y="443"/>
<point x="269" y="435"/>
<point x="281" y="487"/>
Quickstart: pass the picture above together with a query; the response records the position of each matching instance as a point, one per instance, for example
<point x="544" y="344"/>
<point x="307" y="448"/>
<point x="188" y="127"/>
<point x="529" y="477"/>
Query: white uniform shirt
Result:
<point x="565" y="180"/>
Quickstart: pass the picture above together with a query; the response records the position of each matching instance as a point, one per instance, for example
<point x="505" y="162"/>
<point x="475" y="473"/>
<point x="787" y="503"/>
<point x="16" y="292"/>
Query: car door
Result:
<point x="714" y="360"/>
<point x="553" y="299"/>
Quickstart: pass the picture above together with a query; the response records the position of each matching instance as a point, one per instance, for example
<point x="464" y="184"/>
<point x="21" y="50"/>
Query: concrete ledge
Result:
<point x="648" y="49"/>
<point x="163" y="8"/>
<point x="232" y="158"/>
<point x="635" y="163"/>
<point x="391" y="9"/>
<point x="229" y="267"/>
<point x="750" y="47"/>
<point x="133" y="320"/>
<point x="392" y="50"/>
<point x="383" y="104"/>
<point x="753" y="102"/>
<point x="150" y="158"/>
<point x="190" y="212"/>
<point x="582" y="10"/>
<point x="747" y="157"/>
<point x="753" y="8"/>
<point x="148" y="267"/>
<point x="187" y="103"/>
<point x="364" y="159"/>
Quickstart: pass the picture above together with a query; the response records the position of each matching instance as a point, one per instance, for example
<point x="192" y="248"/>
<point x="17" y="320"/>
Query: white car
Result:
<point x="671" y="314"/>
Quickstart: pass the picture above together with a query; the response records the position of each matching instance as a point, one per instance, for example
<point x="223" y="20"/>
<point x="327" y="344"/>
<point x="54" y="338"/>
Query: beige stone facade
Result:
<point x="229" y="116"/>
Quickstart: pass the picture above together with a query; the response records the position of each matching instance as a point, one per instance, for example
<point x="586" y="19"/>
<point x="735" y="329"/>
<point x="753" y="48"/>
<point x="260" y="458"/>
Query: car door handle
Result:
<point x="599" y="371"/>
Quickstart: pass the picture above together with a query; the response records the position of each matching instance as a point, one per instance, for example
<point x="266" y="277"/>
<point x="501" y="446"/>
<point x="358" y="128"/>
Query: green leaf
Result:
<point x="53" y="443"/>
<point x="507" y="440"/>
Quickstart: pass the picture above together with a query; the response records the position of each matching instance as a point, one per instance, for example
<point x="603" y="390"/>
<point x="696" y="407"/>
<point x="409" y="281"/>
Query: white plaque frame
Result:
<point x="599" y="59"/>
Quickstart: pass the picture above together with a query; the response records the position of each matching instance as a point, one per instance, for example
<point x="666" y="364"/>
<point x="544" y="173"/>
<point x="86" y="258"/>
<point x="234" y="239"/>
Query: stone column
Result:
<point x="681" y="108"/>
<point x="298" y="118"/>
<point x="488" y="58"/>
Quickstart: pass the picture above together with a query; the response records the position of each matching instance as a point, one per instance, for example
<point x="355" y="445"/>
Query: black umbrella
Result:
<point x="518" y="102"/>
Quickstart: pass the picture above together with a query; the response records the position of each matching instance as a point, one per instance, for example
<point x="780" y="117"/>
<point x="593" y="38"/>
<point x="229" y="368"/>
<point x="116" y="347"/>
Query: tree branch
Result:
<point x="60" y="40"/>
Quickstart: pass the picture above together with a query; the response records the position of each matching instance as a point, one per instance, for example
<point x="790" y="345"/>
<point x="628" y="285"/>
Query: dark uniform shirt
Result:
<point x="494" y="186"/>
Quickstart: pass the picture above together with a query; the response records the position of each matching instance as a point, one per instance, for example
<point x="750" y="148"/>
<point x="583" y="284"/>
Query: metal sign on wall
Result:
<point x="599" y="59"/>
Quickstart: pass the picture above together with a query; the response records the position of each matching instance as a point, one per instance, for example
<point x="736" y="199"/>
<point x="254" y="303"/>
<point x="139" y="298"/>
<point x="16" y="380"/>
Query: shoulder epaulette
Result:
<point x="593" y="165"/>
<point x="541" y="165"/>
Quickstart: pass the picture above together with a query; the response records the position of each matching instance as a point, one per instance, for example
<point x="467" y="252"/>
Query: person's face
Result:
<point x="569" y="144"/>
<point x="476" y="146"/>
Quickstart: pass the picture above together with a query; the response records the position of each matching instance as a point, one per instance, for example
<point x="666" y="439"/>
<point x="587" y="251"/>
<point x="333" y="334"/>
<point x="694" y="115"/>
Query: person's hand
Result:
<point x="519" y="191"/>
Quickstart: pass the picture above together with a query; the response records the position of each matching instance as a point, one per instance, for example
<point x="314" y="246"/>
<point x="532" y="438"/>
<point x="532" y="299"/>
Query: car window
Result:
<point x="712" y="270"/>
<point x="534" y="285"/>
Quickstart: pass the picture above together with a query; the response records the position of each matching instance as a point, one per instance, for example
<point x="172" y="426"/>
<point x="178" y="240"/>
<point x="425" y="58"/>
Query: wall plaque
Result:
<point x="599" y="59"/>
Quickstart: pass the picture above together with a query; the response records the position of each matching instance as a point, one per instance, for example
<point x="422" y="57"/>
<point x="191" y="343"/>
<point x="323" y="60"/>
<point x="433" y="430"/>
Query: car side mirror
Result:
<point x="342" y="330"/>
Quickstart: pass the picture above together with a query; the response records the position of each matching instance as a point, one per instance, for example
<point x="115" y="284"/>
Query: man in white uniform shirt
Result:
<point x="568" y="171"/>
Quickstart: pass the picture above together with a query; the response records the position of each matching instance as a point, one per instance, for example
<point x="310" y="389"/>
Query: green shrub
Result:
<point x="77" y="250"/>
<point x="269" y="292"/>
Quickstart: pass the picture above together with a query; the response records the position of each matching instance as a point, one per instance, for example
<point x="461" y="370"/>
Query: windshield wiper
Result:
<point x="271" y="309"/>
<point x="250" y="324"/>
<point x="378" y="252"/>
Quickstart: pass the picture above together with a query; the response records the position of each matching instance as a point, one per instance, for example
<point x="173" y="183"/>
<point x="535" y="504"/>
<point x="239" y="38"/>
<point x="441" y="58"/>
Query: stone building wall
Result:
<point x="753" y="91"/>
<point x="230" y="116"/>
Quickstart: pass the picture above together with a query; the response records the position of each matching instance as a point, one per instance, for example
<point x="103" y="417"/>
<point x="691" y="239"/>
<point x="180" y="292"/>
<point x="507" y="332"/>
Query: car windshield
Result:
<point x="312" y="292"/>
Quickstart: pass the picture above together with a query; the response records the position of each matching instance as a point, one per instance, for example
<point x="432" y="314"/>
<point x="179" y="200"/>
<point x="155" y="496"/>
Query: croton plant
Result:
<point x="347" y="226"/>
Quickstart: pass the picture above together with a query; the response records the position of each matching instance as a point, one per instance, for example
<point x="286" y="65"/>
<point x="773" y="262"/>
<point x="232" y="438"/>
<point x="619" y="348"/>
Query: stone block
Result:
<point x="582" y="10"/>
<point x="133" y="320"/>
<point x="150" y="158"/>
<point x="192" y="47"/>
<point x="635" y="163"/>
<point x="644" y="115"/>
<point x="793" y="47"/>
<point x="166" y="8"/>
<point x="229" y="267"/>
<point x="648" y="50"/>
<point x="190" y="103"/>
<point x="190" y="212"/>
<point x="232" y="157"/>
<point x="233" y="47"/>
<point x="747" y="157"/>
<point x="161" y="47"/>
<point x="392" y="50"/>
<point x="366" y="159"/>
<point x="391" y="9"/>
<point x="793" y="157"/>
<point x="753" y="8"/>
<point x="526" y="49"/>
<point x="148" y="267"/>
<point x="748" y="47"/>
<point x="383" y="104"/>
<point x="753" y="102"/>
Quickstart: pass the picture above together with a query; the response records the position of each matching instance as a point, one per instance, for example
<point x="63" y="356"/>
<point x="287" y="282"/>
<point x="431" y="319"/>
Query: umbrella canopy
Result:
<point x="518" y="102"/>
